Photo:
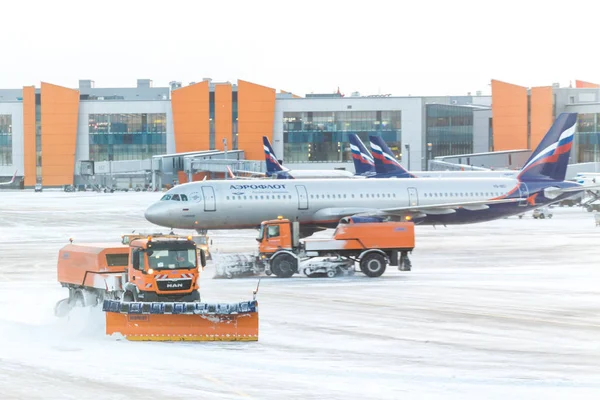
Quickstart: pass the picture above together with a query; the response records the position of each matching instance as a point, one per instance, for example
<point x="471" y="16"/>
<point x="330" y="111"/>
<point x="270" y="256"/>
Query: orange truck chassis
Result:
<point x="149" y="291"/>
<point x="373" y="245"/>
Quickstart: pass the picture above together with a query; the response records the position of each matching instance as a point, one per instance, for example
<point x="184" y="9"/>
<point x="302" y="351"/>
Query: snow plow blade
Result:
<point x="196" y="322"/>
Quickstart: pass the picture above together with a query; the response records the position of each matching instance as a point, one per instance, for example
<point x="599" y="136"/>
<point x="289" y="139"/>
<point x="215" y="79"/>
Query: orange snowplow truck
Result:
<point x="149" y="291"/>
<point x="374" y="244"/>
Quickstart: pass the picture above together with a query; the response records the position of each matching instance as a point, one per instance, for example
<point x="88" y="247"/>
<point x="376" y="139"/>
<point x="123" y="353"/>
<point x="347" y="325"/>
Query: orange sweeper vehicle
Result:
<point x="149" y="291"/>
<point x="370" y="241"/>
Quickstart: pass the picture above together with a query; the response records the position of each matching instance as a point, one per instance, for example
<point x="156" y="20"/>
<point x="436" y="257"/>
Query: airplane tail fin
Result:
<point x="550" y="159"/>
<point x="274" y="168"/>
<point x="364" y="164"/>
<point x="385" y="161"/>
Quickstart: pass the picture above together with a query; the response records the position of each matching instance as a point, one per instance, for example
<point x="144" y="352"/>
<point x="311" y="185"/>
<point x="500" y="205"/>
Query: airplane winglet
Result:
<point x="231" y="175"/>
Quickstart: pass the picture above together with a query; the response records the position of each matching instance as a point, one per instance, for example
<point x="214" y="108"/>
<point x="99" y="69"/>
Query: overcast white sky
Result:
<point x="371" y="46"/>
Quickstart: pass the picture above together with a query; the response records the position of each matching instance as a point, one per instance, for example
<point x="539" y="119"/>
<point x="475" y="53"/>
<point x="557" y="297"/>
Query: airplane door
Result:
<point x="302" y="197"/>
<point x="523" y="193"/>
<point x="413" y="197"/>
<point x="209" y="198"/>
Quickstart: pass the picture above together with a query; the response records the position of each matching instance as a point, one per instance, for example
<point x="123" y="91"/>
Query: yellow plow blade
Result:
<point x="182" y="321"/>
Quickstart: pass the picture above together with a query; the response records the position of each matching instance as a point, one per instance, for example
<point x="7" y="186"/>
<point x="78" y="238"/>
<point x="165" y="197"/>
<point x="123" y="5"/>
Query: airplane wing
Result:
<point x="253" y="174"/>
<point x="412" y="211"/>
<point x="449" y="208"/>
<point x="11" y="181"/>
<point x="553" y="192"/>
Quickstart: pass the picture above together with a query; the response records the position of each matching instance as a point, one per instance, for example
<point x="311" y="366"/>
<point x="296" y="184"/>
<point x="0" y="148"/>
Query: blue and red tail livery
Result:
<point x="274" y="168"/>
<point x="550" y="159"/>
<point x="363" y="160"/>
<point x="385" y="161"/>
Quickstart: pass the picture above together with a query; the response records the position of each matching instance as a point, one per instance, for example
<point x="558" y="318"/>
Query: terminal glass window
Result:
<point x="449" y="129"/>
<point x="587" y="138"/>
<point x="115" y="137"/>
<point x="324" y="136"/>
<point x="6" y="139"/>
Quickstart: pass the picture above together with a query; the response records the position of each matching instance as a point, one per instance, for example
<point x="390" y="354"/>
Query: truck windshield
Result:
<point x="160" y="259"/>
<point x="261" y="232"/>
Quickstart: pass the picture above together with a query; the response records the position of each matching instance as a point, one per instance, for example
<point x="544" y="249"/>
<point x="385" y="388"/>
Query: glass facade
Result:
<point x="449" y="129"/>
<point x="115" y="137"/>
<point x="587" y="138"/>
<point x="6" y="139"/>
<point x="323" y="136"/>
<point x="38" y="137"/>
<point x="211" y="115"/>
<point x="234" y="120"/>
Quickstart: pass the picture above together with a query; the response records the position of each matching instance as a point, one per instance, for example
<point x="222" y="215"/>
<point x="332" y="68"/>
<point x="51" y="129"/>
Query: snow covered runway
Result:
<point x="507" y="309"/>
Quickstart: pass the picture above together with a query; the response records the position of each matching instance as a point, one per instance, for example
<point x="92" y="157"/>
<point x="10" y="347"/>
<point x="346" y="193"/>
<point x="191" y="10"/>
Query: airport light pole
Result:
<point x="407" y="147"/>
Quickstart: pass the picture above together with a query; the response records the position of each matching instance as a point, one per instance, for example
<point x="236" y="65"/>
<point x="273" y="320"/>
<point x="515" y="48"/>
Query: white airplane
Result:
<point x="320" y="203"/>
<point x="274" y="169"/>
<point x="11" y="181"/>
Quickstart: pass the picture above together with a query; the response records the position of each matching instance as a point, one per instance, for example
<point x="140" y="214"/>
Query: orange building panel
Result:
<point x="509" y="110"/>
<point x="60" y="112"/>
<point x="541" y="114"/>
<point x="190" y="106"/>
<point x="586" y="85"/>
<point x="256" y="114"/>
<point x="223" y="122"/>
<point x="29" y="135"/>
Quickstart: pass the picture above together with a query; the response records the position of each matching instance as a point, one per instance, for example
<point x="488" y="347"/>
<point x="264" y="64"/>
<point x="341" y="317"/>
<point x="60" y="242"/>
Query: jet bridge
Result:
<point x="166" y="167"/>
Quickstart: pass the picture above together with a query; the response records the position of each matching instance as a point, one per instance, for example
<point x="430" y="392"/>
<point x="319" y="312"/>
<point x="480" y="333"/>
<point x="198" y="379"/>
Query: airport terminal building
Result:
<point x="47" y="132"/>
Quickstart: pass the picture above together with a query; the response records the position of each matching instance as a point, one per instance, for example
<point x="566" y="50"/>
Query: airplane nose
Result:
<point x="158" y="215"/>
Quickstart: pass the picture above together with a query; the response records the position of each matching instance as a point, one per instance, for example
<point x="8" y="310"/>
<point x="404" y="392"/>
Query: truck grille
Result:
<point x="174" y="284"/>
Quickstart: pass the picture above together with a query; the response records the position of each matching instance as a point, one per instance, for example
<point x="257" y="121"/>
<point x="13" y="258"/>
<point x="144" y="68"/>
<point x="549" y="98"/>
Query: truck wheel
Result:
<point x="195" y="296"/>
<point x="373" y="265"/>
<point x="128" y="296"/>
<point x="77" y="299"/>
<point x="284" y="265"/>
<point x="331" y="273"/>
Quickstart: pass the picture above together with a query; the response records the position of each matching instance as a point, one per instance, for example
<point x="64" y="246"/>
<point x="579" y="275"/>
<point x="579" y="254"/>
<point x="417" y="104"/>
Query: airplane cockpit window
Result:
<point x="165" y="197"/>
<point x="175" y="197"/>
<point x="184" y="197"/>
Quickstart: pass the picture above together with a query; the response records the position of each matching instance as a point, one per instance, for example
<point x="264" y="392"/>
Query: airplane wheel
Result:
<point x="284" y="265"/>
<point x="373" y="265"/>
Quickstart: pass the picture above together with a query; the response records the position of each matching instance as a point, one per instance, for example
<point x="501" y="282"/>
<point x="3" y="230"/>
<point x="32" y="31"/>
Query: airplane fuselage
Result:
<point x="246" y="203"/>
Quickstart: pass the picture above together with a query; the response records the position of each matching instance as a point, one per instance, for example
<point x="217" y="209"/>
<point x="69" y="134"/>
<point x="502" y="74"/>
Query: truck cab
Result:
<point x="162" y="269"/>
<point x="277" y="234"/>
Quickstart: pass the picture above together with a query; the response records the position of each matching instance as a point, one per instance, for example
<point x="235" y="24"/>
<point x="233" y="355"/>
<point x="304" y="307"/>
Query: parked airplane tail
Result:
<point x="274" y="168"/>
<point x="363" y="160"/>
<point x="385" y="161"/>
<point x="550" y="159"/>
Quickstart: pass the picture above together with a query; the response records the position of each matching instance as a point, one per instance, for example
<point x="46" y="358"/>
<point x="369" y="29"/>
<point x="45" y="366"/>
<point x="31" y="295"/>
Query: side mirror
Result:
<point x="136" y="260"/>
<point x="202" y="258"/>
